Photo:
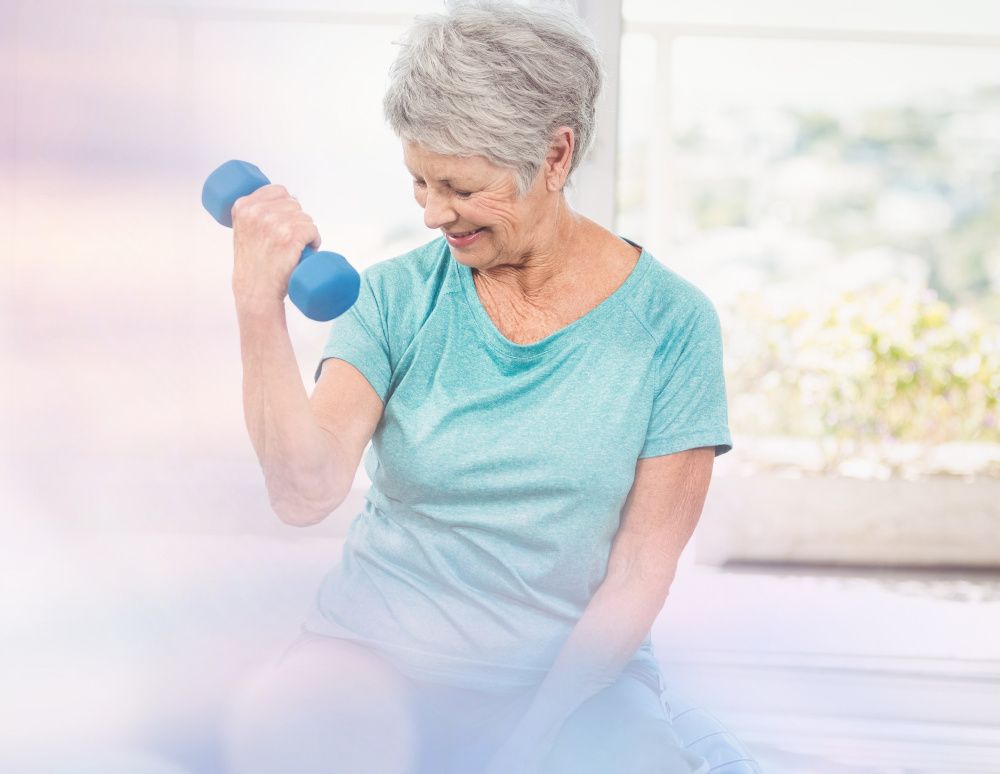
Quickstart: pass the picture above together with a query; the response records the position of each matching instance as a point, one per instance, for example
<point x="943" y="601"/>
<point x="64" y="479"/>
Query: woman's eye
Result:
<point x="459" y="194"/>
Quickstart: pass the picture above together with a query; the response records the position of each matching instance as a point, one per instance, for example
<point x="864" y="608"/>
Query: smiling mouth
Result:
<point x="457" y="235"/>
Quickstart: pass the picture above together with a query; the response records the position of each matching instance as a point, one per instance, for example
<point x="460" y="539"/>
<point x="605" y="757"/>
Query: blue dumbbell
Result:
<point x="324" y="285"/>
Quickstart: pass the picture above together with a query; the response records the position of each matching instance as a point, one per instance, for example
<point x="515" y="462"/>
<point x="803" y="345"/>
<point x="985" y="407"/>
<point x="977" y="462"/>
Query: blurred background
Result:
<point x="828" y="173"/>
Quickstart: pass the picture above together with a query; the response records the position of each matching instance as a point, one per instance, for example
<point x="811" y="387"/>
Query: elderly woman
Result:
<point x="544" y="401"/>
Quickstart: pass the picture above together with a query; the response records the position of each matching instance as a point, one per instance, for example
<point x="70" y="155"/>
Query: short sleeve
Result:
<point x="689" y="407"/>
<point x="358" y="336"/>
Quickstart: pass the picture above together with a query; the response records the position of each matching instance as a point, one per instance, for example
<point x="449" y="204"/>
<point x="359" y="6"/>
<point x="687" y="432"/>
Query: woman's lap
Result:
<point x="623" y="729"/>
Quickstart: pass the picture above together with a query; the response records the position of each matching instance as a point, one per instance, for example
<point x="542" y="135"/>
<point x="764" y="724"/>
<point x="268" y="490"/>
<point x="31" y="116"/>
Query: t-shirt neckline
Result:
<point x="575" y="329"/>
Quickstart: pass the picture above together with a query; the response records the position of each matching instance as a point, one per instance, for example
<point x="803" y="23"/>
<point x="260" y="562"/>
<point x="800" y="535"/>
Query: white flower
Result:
<point x="967" y="366"/>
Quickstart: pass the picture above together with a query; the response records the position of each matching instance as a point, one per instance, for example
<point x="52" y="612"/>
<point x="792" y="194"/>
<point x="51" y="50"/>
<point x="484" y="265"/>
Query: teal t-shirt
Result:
<point x="499" y="470"/>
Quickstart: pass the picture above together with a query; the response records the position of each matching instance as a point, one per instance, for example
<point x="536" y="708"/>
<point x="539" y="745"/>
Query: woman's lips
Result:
<point x="463" y="241"/>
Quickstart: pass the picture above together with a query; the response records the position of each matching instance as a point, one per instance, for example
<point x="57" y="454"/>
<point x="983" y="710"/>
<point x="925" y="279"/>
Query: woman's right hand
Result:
<point x="270" y="230"/>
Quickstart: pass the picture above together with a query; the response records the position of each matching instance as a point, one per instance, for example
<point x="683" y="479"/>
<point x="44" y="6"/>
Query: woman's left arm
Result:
<point x="659" y="516"/>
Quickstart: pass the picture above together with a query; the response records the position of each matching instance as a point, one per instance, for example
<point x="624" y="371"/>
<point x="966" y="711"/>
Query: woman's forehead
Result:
<point x="416" y="157"/>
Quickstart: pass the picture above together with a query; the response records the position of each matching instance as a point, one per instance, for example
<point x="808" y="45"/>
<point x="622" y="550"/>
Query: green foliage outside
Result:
<point x="888" y="364"/>
<point x="890" y="361"/>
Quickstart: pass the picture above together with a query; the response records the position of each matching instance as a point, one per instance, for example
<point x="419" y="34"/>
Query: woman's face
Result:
<point x="461" y="194"/>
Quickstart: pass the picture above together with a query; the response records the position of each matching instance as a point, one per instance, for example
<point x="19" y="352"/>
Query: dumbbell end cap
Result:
<point x="228" y="183"/>
<point x="324" y="286"/>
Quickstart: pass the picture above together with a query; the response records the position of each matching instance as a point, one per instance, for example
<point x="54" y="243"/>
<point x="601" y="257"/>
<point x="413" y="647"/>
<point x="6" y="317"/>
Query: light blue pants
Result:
<point x="624" y="729"/>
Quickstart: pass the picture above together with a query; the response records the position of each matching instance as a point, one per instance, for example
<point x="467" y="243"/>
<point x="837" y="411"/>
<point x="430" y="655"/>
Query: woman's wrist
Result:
<point x="254" y="306"/>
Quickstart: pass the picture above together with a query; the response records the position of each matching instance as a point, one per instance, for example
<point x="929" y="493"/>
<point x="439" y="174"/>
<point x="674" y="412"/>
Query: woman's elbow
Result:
<point x="294" y="509"/>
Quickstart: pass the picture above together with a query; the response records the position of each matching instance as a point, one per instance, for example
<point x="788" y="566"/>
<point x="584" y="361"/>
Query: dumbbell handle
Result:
<point x="323" y="285"/>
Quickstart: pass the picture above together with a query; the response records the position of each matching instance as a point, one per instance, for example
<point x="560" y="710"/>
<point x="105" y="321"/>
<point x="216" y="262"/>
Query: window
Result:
<point x="829" y="181"/>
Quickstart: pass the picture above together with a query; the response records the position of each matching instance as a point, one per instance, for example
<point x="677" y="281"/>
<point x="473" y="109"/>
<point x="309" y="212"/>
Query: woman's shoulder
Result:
<point x="413" y="266"/>
<point x="667" y="298"/>
<point x="408" y="285"/>
<point x="678" y="315"/>
<point x="409" y="274"/>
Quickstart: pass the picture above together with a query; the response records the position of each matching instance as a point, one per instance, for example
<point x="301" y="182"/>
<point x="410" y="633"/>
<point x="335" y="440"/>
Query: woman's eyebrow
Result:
<point x="444" y="180"/>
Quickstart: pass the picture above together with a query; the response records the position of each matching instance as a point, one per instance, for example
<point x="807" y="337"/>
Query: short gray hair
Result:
<point x="494" y="78"/>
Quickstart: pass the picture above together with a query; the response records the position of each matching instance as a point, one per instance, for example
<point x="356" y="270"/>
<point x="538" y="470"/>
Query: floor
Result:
<point x="841" y="669"/>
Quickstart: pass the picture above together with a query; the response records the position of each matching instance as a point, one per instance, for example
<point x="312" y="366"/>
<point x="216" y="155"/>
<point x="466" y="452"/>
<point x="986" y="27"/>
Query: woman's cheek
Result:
<point x="494" y="214"/>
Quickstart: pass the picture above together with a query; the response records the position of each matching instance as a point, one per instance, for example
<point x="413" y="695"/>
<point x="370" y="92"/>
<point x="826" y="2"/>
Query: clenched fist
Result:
<point x="270" y="230"/>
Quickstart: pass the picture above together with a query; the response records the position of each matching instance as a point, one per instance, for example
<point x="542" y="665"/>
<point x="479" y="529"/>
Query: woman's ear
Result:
<point x="559" y="158"/>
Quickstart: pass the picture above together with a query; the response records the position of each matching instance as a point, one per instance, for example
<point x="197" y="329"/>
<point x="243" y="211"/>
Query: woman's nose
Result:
<point x="437" y="211"/>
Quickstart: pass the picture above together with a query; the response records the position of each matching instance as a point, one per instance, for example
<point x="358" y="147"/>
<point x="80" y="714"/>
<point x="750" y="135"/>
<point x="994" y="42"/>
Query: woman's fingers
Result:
<point x="270" y="231"/>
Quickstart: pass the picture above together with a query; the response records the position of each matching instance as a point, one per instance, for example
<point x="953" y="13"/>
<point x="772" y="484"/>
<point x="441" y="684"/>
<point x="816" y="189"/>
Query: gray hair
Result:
<point x="493" y="78"/>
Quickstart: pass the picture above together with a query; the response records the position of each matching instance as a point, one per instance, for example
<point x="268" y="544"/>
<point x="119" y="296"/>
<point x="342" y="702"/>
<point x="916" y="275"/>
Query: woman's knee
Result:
<point x="327" y="705"/>
<point x="624" y="730"/>
<point x="653" y="747"/>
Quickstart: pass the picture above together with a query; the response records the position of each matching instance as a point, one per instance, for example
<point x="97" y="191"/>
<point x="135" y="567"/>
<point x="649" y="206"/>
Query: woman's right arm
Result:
<point x="307" y="471"/>
<point x="308" y="451"/>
